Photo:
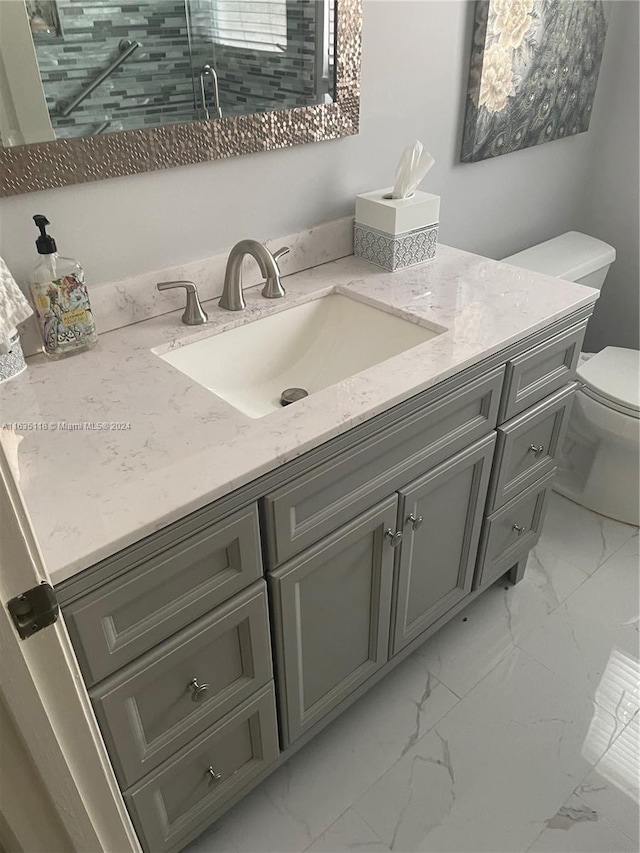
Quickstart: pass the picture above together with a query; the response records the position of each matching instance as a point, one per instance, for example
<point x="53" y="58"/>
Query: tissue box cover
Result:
<point x="397" y="215"/>
<point x="395" y="233"/>
<point x="12" y="363"/>
<point x="395" y="251"/>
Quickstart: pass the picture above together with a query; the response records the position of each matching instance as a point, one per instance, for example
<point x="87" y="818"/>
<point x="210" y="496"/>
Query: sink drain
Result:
<point x="291" y="395"/>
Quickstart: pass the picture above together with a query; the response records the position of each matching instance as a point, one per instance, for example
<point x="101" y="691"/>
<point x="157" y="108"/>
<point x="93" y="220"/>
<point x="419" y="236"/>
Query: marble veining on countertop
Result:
<point x="172" y="446"/>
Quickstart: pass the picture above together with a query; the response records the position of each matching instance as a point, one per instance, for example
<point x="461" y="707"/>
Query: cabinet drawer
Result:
<point x="541" y="371"/>
<point x="331" y="610"/>
<point x="152" y="708"/>
<point x="128" y="616"/>
<point x="511" y="531"/>
<point x="312" y="506"/>
<point x="181" y="795"/>
<point x="528" y="446"/>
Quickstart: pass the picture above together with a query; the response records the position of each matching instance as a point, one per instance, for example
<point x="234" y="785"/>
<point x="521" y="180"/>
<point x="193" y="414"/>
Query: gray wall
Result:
<point x="611" y="212"/>
<point x="414" y="76"/>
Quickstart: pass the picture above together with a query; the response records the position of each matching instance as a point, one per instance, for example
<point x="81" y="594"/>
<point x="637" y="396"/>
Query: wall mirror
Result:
<point x="92" y="89"/>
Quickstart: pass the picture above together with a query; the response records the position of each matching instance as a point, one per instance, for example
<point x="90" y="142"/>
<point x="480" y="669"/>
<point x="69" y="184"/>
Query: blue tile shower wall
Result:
<point x="158" y="83"/>
<point x="153" y="86"/>
<point x="254" y="80"/>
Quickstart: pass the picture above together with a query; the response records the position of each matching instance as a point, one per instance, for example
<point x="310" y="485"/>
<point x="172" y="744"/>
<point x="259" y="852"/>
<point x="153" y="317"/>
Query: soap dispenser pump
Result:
<point x="60" y="299"/>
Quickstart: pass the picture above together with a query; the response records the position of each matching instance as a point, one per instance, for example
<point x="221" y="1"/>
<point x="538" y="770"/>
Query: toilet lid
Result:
<point x="614" y="375"/>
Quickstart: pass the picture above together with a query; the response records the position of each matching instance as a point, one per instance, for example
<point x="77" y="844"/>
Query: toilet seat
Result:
<point x="612" y="378"/>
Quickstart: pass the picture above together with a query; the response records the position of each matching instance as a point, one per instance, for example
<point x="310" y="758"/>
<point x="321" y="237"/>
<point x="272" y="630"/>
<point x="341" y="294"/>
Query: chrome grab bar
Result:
<point x="210" y="71"/>
<point x="100" y="128"/>
<point x="126" y="48"/>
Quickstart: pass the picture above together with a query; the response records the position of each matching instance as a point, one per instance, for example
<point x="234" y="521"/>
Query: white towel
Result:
<point x="14" y="307"/>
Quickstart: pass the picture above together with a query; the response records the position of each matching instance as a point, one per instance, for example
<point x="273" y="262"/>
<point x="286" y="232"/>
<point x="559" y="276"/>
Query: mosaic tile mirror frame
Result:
<point x="533" y="73"/>
<point x="99" y="152"/>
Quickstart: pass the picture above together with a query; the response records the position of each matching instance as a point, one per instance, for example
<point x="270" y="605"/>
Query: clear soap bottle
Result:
<point x="60" y="299"/>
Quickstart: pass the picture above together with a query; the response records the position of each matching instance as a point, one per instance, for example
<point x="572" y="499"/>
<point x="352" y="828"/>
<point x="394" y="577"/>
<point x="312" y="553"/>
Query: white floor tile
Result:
<point x="466" y="649"/>
<point x="492" y="771"/>
<point x="576" y="828"/>
<point x="254" y="825"/>
<point x="580" y="536"/>
<point x="349" y="832"/>
<point x="611" y="803"/>
<point x="317" y="784"/>
<point x="612" y="788"/>
<point x="592" y="638"/>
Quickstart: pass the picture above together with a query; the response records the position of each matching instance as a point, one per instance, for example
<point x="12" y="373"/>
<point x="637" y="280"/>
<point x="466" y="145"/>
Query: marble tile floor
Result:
<point x="513" y="729"/>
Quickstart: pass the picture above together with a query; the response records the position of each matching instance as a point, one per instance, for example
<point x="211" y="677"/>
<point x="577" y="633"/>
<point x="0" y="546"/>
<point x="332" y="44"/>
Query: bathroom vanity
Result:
<point x="264" y="597"/>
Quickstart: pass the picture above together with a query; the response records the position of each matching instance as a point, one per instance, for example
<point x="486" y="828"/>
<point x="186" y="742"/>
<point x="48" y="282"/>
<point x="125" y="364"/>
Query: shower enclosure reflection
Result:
<point x="110" y="65"/>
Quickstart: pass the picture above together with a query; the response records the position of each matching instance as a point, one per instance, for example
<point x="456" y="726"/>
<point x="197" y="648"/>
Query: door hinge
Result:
<point x="34" y="609"/>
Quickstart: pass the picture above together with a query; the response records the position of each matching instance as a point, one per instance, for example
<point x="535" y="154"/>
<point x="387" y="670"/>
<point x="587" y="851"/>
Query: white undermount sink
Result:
<point x="310" y="346"/>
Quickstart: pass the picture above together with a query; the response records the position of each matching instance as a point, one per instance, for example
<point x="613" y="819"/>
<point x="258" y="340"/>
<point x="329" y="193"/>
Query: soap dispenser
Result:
<point x="60" y="299"/>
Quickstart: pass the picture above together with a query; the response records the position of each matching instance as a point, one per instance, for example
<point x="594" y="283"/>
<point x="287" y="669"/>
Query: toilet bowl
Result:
<point x="599" y="466"/>
<point x="600" y="460"/>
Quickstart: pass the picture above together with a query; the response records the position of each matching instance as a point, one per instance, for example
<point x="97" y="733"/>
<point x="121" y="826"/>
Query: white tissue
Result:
<point x="14" y="307"/>
<point x="413" y="166"/>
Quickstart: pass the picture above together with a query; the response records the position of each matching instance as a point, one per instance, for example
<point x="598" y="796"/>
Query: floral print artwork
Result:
<point x="533" y="73"/>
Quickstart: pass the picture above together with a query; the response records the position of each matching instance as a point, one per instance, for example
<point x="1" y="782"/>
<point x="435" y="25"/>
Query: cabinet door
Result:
<point x="441" y="516"/>
<point x="332" y="607"/>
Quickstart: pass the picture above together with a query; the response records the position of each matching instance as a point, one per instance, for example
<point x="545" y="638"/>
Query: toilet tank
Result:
<point x="572" y="256"/>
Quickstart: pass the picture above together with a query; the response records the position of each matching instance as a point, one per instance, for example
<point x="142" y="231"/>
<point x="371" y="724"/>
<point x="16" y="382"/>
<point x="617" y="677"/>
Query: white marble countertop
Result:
<point x="91" y="492"/>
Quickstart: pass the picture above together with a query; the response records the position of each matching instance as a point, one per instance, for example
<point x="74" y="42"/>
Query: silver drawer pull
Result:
<point x="536" y="450"/>
<point x="394" y="538"/>
<point x="213" y="776"/>
<point x="518" y="529"/>
<point x="415" y="520"/>
<point x="198" y="691"/>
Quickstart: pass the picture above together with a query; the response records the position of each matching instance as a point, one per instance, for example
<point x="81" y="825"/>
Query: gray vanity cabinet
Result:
<point x="441" y="516"/>
<point x="331" y="608"/>
<point x="370" y="543"/>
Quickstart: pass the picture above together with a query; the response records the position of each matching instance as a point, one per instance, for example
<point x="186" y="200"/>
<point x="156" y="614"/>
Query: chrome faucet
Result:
<point x="232" y="296"/>
<point x="194" y="313"/>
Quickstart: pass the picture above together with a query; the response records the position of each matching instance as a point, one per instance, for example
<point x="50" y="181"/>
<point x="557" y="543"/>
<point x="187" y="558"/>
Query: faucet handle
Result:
<point x="283" y="251"/>
<point x="273" y="286"/>
<point x="194" y="314"/>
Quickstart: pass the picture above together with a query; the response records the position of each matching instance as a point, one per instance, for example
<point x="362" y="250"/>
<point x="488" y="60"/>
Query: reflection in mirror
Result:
<point x="72" y="68"/>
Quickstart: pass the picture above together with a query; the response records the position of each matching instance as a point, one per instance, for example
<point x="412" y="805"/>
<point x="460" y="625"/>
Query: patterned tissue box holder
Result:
<point x="395" y="233"/>
<point x="12" y="363"/>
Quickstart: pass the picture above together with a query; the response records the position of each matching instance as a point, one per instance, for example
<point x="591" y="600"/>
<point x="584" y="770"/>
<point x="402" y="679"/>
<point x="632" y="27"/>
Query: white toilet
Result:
<point x="600" y="463"/>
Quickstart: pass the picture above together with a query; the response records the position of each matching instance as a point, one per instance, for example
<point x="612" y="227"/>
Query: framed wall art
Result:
<point x="533" y="73"/>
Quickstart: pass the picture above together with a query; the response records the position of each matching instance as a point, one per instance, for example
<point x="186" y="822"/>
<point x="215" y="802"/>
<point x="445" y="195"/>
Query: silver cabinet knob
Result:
<point x="394" y="537"/>
<point x="198" y="691"/>
<point x="519" y="530"/>
<point x="213" y="776"/>
<point x="537" y="450"/>
<point x="415" y="521"/>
